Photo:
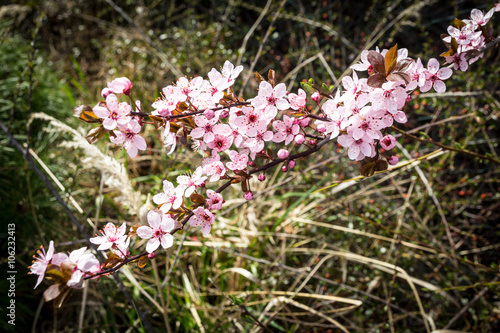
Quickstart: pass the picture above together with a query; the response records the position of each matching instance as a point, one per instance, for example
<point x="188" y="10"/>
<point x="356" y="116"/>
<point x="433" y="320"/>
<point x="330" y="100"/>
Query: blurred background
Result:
<point x="372" y="255"/>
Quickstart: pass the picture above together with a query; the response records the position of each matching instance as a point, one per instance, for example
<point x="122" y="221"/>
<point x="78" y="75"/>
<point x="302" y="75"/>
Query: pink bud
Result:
<point x="252" y="164"/>
<point x="388" y="142"/>
<point x="304" y="122"/>
<point x="261" y="177"/>
<point x="105" y="92"/>
<point x="209" y="114"/>
<point x="408" y="99"/>
<point x="151" y="255"/>
<point x="316" y="97"/>
<point x="291" y="164"/>
<point x="312" y="142"/>
<point x="248" y="195"/>
<point x="121" y="85"/>
<point x="283" y="153"/>
<point x="284" y="168"/>
<point x="393" y="160"/>
<point x="224" y="114"/>
<point x="300" y="139"/>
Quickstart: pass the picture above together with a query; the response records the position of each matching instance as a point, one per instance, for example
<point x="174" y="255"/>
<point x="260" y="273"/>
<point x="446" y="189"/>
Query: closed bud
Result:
<point x="261" y="177"/>
<point x="151" y="255"/>
<point x="209" y="114"/>
<point x="224" y="114"/>
<point x="393" y="160"/>
<point x="300" y="139"/>
<point x="248" y="195"/>
<point x="316" y="96"/>
<point x="291" y="164"/>
<point x="284" y="168"/>
<point x="252" y="164"/>
<point x="283" y="153"/>
<point x="312" y="142"/>
<point x="321" y="128"/>
<point x="304" y="122"/>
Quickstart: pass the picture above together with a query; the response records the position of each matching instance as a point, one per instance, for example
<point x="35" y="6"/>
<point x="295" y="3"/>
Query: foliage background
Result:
<point x="55" y="55"/>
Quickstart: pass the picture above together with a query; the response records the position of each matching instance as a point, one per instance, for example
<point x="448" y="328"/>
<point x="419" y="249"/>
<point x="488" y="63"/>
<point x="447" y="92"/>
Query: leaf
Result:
<point x="399" y="76"/>
<point x="377" y="61"/>
<point x="403" y="65"/>
<point x="271" y="77"/>
<point x="376" y="80"/>
<point x="391" y="58"/>
<point x="197" y="199"/>
<point x="307" y="87"/>
<point x="367" y="169"/>
<point x="381" y="165"/>
<point x="86" y="114"/>
<point x="95" y="134"/>
<point x="259" y="77"/>
<point x="142" y="262"/>
<point x="459" y="24"/>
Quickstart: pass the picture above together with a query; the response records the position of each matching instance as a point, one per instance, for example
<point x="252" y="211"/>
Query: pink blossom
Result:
<point x="113" y="113"/>
<point x="434" y="75"/>
<point x="388" y="142"/>
<point x="239" y="161"/>
<point x="248" y="195"/>
<point x="297" y="102"/>
<point x="270" y="99"/>
<point x="205" y="128"/>
<point x="361" y="126"/>
<point x="191" y="183"/>
<point x="391" y="97"/>
<point x="82" y="262"/>
<point x="417" y="75"/>
<point x="216" y="170"/>
<point x="393" y="160"/>
<point x="257" y="144"/>
<point x="128" y="137"/>
<point x="189" y="88"/>
<point x="364" y="65"/>
<point x="215" y="200"/>
<point x="171" y="198"/>
<point x="286" y="130"/>
<point x="121" y="85"/>
<point x="220" y="143"/>
<point x="230" y="73"/>
<point x="316" y="96"/>
<point x="479" y="18"/>
<point x="251" y="121"/>
<point x="459" y="60"/>
<point x="40" y="264"/>
<point x="357" y="149"/>
<point x="204" y="218"/>
<point x="111" y="236"/>
<point x="158" y="231"/>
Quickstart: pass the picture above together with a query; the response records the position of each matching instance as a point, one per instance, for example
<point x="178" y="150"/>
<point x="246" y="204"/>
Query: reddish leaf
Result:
<point x="391" y="58"/>
<point x="376" y="80"/>
<point x="403" y="65"/>
<point x="86" y="114"/>
<point x="399" y="76"/>
<point x="142" y="262"/>
<point x="95" y="134"/>
<point x="259" y="77"/>
<point x="197" y="199"/>
<point x="377" y="61"/>
<point x="381" y="165"/>
<point x="459" y="24"/>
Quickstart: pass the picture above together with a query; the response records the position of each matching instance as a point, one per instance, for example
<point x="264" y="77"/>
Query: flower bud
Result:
<point x="300" y="139"/>
<point x="283" y="153"/>
<point x="321" y="128"/>
<point x="291" y="164"/>
<point x="248" y="195"/>
<point x="224" y="114"/>
<point x="261" y="177"/>
<point x="252" y="164"/>
<point x="284" y="168"/>
<point x="316" y="96"/>
<point x="151" y="255"/>
<point x="393" y="160"/>
<point x="304" y="122"/>
<point x="312" y="142"/>
<point x="105" y="92"/>
<point x="408" y="99"/>
<point x="209" y="114"/>
<point x="121" y="85"/>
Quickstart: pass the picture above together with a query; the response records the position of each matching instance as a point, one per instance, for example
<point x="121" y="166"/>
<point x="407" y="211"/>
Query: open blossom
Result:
<point x="191" y="183"/>
<point x="204" y="218"/>
<point x="214" y="201"/>
<point x="44" y="259"/>
<point x="271" y="99"/>
<point x="357" y="149"/>
<point x="239" y="161"/>
<point x="478" y="17"/>
<point x="81" y="262"/>
<point x="230" y="73"/>
<point x="158" y="231"/>
<point x="205" y="128"/>
<point x="127" y="135"/>
<point x="171" y="198"/>
<point x="113" y="113"/>
<point x="434" y="75"/>
<point x="388" y="142"/>
<point x="297" y="102"/>
<point x="111" y="235"/>
<point x="121" y="85"/>
<point x="286" y="130"/>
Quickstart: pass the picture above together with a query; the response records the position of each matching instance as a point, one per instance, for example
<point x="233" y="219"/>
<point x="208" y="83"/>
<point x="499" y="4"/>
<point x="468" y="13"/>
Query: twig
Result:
<point x="464" y="151"/>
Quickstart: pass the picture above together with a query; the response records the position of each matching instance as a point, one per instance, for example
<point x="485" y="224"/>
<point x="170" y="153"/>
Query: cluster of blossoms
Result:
<point x="237" y="138"/>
